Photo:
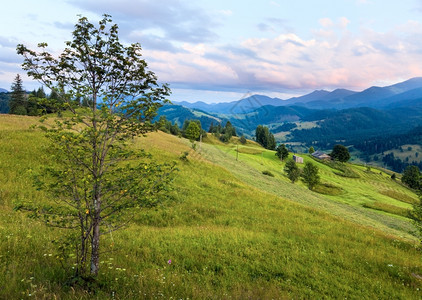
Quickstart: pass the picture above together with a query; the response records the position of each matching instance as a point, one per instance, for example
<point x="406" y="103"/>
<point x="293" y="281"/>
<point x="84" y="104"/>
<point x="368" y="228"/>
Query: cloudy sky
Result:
<point x="220" y="50"/>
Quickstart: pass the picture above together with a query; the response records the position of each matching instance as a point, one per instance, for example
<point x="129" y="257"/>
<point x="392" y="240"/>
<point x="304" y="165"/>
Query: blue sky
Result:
<point x="219" y="50"/>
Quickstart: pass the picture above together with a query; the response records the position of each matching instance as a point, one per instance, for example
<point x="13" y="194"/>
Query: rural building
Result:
<point x="298" y="159"/>
<point x="321" y="155"/>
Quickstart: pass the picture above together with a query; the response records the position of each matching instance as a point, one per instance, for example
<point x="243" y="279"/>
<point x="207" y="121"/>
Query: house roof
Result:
<point x="319" y="154"/>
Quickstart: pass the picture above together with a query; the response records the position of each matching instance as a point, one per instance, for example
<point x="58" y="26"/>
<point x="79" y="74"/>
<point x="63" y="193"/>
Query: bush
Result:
<point x="268" y="173"/>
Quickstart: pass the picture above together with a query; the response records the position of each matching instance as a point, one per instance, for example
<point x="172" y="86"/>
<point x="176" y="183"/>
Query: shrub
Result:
<point x="268" y="173"/>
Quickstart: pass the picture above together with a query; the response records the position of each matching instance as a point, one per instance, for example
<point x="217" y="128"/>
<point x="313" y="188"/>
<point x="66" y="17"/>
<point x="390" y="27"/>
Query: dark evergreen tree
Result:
<point x="271" y="141"/>
<point x="40" y="93"/>
<point x="265" y="137"/>
<point x="211" y="129"/>
<point x="242" y="140"/>
<point x="229" y="129"/>
<point x="18" y="102"/>
<point x="174" y="129"/>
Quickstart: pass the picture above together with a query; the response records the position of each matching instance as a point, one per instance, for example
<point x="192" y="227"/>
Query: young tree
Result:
<point x="310" y="175"/>
<point x="242" y="140"/>
<point x="18" y="102"/>
<point x="95" y="191"/>
<point x="311" y="150"/>
<point x="292" y="170"/>
<point x="282" y="152"/>
<point x="340" y="153"/>
<point x="192" y="131"/>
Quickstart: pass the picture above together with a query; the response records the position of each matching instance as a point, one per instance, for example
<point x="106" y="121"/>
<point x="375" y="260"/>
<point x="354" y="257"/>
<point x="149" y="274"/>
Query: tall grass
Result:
<point x="221" y="237"/>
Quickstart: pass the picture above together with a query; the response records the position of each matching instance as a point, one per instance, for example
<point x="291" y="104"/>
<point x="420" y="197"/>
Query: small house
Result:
<point x="298" y="159"/>
<point x="321" y="155"/>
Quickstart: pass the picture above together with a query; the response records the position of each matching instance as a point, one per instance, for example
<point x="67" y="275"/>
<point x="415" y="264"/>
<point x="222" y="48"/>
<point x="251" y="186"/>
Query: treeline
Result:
<point x="383" y="143"/>
<point x="192" y="129"/>
<point x="225" y="133"/>
<point x="4" y="103"/>
<point x="36" y="103"/>
<point x="285" y="127"/>
<point x="397" y="165"/>
<point x="352" y="126"/>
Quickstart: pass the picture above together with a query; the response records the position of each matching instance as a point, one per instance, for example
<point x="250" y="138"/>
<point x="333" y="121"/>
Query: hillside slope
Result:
<point x="230" y="232"/>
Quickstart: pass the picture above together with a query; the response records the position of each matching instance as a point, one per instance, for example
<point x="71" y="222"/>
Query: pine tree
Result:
<point x="18" y="102"/>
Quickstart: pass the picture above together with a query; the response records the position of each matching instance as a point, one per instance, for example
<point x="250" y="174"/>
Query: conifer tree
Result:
<point x="18" y="102"/>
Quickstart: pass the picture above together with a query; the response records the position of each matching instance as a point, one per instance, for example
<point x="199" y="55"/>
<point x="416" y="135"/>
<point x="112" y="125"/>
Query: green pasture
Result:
<point x="228" y="232"/>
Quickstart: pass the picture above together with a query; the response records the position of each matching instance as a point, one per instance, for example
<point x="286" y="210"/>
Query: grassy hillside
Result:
<point x="230" y="232"/>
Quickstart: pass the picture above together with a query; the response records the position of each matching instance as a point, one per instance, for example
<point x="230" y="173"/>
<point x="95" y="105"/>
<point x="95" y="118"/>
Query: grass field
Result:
<point x="230" y="232"/>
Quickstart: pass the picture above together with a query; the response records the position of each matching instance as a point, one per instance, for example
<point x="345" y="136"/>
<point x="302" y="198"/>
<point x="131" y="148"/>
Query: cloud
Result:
<point x="274" y="25"/>
<point x="326" y="22"/>
<point x="288" y="61"/>
<point x="178" y="20"/>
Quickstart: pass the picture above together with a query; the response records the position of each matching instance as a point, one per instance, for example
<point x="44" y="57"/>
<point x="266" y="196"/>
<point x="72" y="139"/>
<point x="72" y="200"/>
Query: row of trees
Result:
<point x="192" y="129"/>
<point x="309" y="173"/>
<point x="225" y="133"/>
<point x="37" y="102"/>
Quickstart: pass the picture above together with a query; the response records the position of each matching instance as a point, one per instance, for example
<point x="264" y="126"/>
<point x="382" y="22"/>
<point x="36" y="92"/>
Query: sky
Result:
<point x="222" y="50"/>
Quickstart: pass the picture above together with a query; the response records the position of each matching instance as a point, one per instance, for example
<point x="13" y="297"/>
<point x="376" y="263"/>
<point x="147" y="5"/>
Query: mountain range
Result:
<point x="396" y="95"/>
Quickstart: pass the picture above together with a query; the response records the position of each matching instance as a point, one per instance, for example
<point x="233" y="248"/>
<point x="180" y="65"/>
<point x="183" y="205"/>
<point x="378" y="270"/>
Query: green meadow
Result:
<point x="229" y="231"/>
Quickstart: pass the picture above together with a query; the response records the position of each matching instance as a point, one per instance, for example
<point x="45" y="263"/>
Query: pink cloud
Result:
<point x="329" y="59"/>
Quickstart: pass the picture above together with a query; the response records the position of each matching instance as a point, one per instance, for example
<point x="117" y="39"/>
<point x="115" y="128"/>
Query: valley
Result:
<point x="322" y="119"/>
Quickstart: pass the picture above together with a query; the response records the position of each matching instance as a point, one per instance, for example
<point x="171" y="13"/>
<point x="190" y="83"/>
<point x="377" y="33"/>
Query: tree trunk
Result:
<point x="95" y="244"/>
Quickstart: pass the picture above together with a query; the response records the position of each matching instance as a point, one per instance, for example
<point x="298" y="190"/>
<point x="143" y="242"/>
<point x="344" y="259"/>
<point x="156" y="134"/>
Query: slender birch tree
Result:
<point x="97" y="178"/>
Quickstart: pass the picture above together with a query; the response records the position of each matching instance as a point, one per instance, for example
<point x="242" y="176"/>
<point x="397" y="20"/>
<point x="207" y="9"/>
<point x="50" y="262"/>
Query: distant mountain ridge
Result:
<point x="375" y="97"/>
<point x="3" y="90"/>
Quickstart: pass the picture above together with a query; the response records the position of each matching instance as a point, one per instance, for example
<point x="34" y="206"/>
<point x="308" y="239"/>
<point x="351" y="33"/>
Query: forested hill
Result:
<point x="357" y="124"/>
<point x="4" y="102"/>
